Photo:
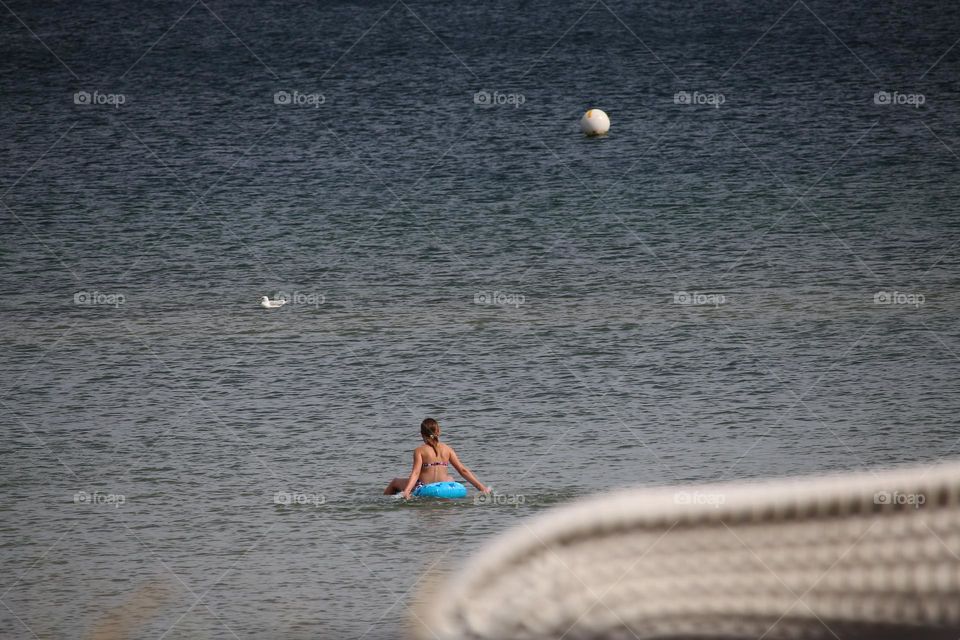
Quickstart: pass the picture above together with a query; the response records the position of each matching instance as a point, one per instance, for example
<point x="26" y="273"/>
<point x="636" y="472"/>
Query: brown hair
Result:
<point x="430" y="429"/>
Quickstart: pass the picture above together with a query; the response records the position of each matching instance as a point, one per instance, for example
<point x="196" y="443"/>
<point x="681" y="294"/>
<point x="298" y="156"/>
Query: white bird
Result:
<point x="267" y="303"/>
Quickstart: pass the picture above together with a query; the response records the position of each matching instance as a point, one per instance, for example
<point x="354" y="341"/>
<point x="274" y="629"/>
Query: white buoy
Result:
<point x="595" y="123"/>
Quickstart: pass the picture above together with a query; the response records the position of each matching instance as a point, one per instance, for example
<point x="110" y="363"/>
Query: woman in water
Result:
<point x="430" y="464"/>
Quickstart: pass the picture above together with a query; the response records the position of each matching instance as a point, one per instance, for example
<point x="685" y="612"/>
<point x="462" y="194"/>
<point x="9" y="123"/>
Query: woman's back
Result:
<point x="435" y="466"/>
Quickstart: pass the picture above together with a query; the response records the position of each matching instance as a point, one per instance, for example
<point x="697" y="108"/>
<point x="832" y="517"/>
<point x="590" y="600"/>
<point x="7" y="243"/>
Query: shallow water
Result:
<point x="392" y="212"/>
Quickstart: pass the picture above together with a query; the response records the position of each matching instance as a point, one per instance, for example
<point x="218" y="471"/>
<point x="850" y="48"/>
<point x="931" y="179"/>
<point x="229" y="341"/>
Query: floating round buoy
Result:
<point x="595" y="123"/>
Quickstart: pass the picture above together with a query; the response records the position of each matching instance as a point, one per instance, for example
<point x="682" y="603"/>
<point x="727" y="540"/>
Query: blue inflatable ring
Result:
<point x="450" y="490"/>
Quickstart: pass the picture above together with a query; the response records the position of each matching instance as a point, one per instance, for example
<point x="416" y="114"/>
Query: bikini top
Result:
<point x="435" y="464"/>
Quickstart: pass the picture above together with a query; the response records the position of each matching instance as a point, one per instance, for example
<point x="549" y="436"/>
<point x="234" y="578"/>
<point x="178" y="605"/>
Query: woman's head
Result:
<point x="430" y="430"/>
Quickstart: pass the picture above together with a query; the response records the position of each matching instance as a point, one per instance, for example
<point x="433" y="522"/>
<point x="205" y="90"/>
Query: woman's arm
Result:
<point x="468" y="476"/>
<point x="414" y="475"/>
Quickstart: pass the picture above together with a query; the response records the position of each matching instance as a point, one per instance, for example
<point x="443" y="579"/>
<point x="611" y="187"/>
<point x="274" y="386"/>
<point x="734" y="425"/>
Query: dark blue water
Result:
<point x="157" y="181"/>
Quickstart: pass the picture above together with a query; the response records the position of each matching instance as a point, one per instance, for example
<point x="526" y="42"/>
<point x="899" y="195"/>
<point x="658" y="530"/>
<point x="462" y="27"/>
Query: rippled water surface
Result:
<point x="485" y="265"/>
